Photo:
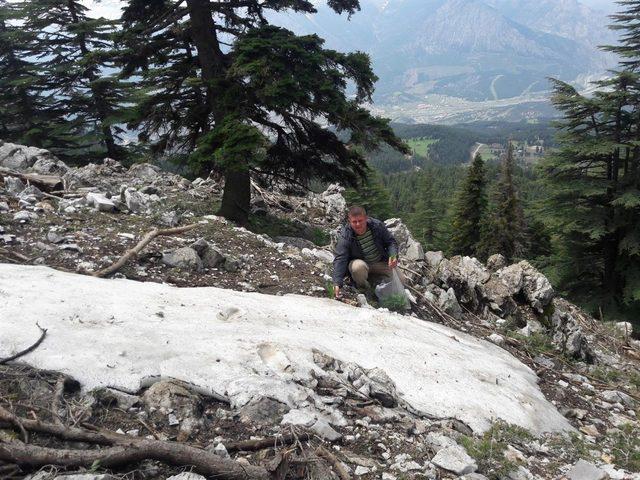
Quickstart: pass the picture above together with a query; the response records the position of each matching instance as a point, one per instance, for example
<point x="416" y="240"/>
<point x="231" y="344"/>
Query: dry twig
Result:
<point x="26" y="350"/>
<point x="138" y="248"/>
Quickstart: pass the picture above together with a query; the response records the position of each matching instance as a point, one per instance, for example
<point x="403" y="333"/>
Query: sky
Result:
<point x="111" y="8"/>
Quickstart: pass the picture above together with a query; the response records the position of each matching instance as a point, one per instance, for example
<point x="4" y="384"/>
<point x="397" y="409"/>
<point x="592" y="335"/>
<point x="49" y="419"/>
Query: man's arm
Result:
<point x="340" y="262"/>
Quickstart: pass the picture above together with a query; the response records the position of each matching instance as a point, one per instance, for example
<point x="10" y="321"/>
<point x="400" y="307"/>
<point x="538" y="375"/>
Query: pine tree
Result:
<point x="74" y="57"/>
<point x="268" y="96"/>
<point x="469" y="210"/>
<point x="424" y="220"/>
<point x="594" y="186"/>
<point x="504" y="230"/>
<point x="372" y="195"/>
<point x="27" y="115"/>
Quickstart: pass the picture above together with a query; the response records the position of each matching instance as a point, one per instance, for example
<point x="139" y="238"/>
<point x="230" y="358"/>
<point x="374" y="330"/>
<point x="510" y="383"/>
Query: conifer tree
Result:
<point x="429" y="219"/>
<point x="469" y="210"/>
<point x="74" y="66"/>
<point x="372" y="195"/>
<point x="27" y="115"/>
<point x="504" y="229"/>
<point x="268" y="93"/>
<point x="594" y="185"/>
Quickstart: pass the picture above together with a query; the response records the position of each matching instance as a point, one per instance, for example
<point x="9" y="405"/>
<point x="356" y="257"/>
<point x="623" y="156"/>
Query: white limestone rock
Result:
<point x="455" y="459"/>
<point x="584" y="470"/>
<point x="100" y="202"/>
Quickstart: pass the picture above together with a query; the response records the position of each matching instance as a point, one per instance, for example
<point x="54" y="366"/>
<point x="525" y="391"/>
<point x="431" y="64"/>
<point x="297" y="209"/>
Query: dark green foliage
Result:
<point x="504" y="229"/>
<point x="259" y="106"/>
<point x="469" y="210"/>
<point x="60" y="59"/>
<point x="594" y="184"/>
<point x="28" y="115"/>
<point x="396" y="302"/>
<point x="372" y="195"/>
<point x="426" y="221"/>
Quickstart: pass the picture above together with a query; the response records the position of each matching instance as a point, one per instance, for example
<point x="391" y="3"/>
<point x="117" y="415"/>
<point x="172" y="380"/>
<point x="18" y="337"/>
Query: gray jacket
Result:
<point x="348" y="249"/>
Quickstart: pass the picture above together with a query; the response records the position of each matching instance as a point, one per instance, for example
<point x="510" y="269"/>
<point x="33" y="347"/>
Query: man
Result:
<point x="365" y="248"/>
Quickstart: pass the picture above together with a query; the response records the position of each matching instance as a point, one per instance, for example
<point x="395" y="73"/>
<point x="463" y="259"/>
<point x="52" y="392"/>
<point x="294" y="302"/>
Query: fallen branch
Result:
<point x="43" y="182"/>
<point x="122" y="450"/>
<point x="26" y="350"/>
<point x="202" y="461"/>
<point x="141" y="244"/>
<point x="17" y="255"/>
<point x="254" y="445"/>
<point x="337" y="464"/>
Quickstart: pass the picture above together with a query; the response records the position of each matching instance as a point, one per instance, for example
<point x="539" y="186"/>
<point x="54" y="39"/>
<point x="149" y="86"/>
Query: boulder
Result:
<point x="186" y="258"/>
<point x="24" y="216"/>
<point x="449" y="303"/>
<point x="100" y="202"/>
<point x="13" y="185"/>
<point x="210" y="256"/>
<point x="409" y="248"/>
<point x="433" y="259"/>
<point x="496" y="262"/>
<point x="264" y="411"/>
<point x="455" y="459"/>
<point x="536" y="287"/>
<point x="171" y="396"/>
<point x="136" y="201"/>
<point x="584" y="470"/>
<point x="568" y="335"/>
<point x="22" y="158"/>
<point x="144" y="171"/>
<point x="335" y="205"/>
<point x="170" y="219"/>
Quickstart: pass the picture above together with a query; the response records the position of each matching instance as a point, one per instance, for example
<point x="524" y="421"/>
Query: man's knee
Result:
<point x="359" y="271"/>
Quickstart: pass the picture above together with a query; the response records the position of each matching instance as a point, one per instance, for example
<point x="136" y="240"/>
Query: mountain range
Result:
<point x="474" y="50"/>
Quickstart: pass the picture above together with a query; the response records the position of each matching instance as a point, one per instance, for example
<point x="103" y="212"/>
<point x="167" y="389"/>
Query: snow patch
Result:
<point x="237" y="345"/>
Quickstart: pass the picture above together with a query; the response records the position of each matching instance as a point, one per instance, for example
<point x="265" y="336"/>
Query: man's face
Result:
<point x="358" y="223"/>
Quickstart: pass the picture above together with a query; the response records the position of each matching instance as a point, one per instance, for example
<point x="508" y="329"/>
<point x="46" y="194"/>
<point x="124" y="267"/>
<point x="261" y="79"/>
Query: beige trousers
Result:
<point x="361" y="271"/>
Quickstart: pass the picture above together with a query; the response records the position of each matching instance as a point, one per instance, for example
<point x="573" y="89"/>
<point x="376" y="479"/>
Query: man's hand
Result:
<point x="336" y="291"/>
<point x="393" y="262"/>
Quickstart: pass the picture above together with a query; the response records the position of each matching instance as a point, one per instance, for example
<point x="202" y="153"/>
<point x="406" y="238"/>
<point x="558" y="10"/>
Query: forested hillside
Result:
<point x="452" y="145"/>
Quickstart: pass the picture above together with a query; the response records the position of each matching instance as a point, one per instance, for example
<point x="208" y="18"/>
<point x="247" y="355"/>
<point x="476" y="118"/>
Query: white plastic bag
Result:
<point x="392" y="292"/>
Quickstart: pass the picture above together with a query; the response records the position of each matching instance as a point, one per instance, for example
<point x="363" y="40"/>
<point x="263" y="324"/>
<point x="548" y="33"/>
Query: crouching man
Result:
<point x="366" y="249"/>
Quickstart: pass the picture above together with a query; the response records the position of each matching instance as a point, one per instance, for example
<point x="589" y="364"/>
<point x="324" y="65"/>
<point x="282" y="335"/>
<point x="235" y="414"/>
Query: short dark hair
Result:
<point x="356" y="211"/>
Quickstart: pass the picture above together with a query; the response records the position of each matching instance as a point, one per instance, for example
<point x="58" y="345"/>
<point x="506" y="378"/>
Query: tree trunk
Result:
<point x="237" y="197"/>
<point x="237" y="190"/>
<point x="100" y="105"/>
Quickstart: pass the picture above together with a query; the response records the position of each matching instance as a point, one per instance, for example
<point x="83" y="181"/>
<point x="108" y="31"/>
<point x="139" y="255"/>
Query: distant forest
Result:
<point x="454" y="143"/>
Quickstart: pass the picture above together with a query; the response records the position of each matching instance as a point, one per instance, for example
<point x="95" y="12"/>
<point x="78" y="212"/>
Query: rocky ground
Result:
<point x="84" y="219"/>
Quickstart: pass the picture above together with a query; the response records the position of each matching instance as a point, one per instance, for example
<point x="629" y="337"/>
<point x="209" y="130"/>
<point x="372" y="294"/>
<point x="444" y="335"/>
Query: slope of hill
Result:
<point x="476" y="50"/>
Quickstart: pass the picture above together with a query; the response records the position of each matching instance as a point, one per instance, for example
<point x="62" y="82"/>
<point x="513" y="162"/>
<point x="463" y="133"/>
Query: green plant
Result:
<point x="396" y="302"/>
<point x="606" y="375"/>
<point x="569" y="447"/>
<point x="331" y="290"/>
<point x="626" y="447"/>
<point x="488" y="450"/>
<point x="536" y="343"/>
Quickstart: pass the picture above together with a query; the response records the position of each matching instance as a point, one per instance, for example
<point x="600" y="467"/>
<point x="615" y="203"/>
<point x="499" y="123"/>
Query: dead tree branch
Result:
<point x="138" y="248"/>
<point x="337" y="464"/>
<point x="26" y="350"/>
<point x="121" y="450"/>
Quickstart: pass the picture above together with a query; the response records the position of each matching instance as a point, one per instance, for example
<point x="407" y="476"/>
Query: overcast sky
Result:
<point x="111" y="8"/>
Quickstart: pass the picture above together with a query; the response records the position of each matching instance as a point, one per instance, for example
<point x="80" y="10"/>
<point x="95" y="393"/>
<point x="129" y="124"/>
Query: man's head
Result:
<point x="358" y="220"/>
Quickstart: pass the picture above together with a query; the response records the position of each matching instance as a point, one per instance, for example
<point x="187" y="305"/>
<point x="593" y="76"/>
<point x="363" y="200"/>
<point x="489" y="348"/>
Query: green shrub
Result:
<point x="396" y="302"/>
<point x="626" y="447"/>
<point x="488" y="450"/>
